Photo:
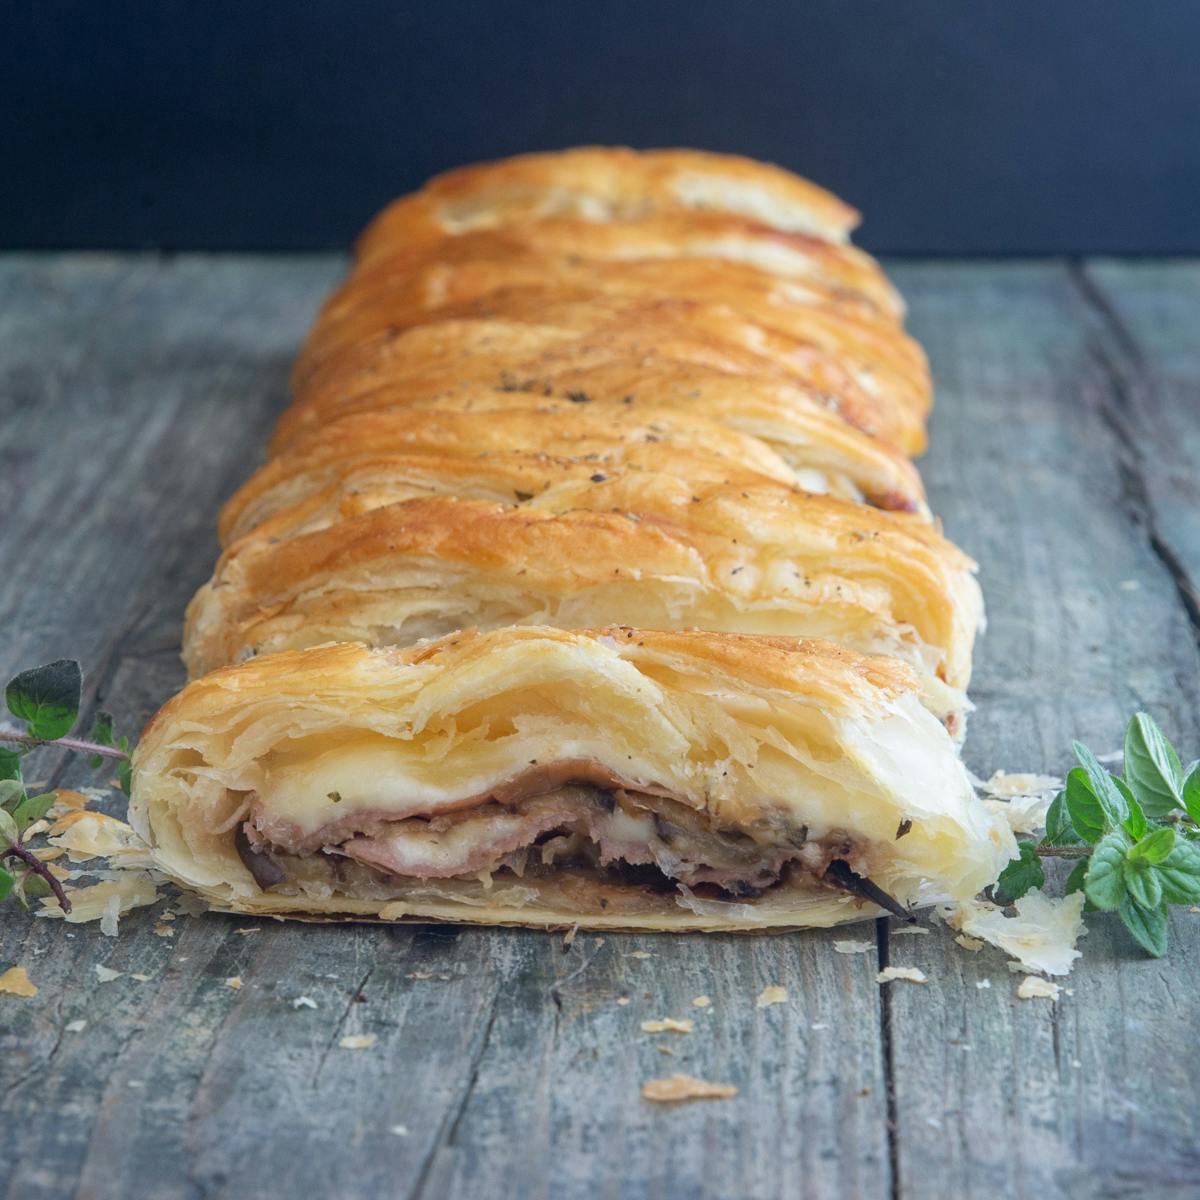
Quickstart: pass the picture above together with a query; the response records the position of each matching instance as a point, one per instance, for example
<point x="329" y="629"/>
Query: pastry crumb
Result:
<point x="969" y="943"/>
<point x="701" y="1002"/>
<point x="848" y="946"/>
<point x="685" y="1087"/>
<point x="668" y="1025"/>
<point x="1041" y="989"/>
<point x="909" y="974"/>
<point x="235" y="982"/>
<point x="358" y="1041"/>
<point x="774" y="994"/>
<point x="107" y="974"/>
<point x="16" y="982"/>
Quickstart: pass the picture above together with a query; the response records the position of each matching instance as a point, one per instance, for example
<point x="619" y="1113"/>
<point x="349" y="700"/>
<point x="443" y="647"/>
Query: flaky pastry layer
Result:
<point x="785" y="742"/>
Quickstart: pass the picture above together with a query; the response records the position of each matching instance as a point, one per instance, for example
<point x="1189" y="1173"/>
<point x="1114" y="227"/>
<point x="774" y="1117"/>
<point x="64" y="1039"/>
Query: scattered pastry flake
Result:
<point x="104" y="901"/>
<point x="16" y="982"/>
<point x="1129" y="585"/>
<point x="685" y="1087"/>
<point x="638" y="954"/>
<point x="66" y="798"/>
<point x="969" y="943"/>
<point x="358" y="1041"/>
<point x="669" y="1025"/>
<point x="569" y="937"/>
<point x="304" y="1002"/>
<point x="164" y="931"/>
<point x="1041" y="936"/>
<point x="84" y="834"/>
<point x="664" y="1049"/>
<point x="248" y="929"/>
<point x="983" y="983"/>
<point x="849" y="946"/>
<point x="106" y="974"/>
<point x="235" y="982"/>
<point x="622" y="1000"/>
<point x="771" y="995"/>
<point x="908" y="930"/>
<point x="75" y="1026"/>
<point x="1020" y="783"/>
<point x="1034" y="988"/>
<point x="399" y="1130"/>
<point x="1021" y="798"/>
<point x="701" y="1002"/>
<point x="911" y="974"/>
<point x="140" y="977"/>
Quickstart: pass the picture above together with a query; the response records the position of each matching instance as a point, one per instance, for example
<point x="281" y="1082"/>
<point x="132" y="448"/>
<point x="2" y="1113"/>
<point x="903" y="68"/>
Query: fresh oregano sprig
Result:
<point x="1136" y="836"/>
<point x="47" y="700"/>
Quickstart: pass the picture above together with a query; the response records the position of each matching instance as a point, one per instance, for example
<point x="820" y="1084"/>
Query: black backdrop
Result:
<point x="958" y="126"/>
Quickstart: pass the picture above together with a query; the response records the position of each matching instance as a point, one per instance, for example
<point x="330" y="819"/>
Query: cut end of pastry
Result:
<point x="612" y="778"/>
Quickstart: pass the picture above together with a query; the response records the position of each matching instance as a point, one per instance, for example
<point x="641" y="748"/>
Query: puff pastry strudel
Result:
<point x="588" y="580"/>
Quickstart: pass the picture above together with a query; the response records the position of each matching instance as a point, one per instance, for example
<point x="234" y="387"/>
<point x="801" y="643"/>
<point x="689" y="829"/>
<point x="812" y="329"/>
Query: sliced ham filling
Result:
<point x="618" y="829"/>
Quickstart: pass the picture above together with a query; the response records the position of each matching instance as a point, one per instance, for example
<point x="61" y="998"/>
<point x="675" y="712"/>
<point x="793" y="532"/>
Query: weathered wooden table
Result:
<point x="137" y="392"/>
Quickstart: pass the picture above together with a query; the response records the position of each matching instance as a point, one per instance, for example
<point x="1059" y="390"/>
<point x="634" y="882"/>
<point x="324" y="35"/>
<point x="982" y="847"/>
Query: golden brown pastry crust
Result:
<point x="734" y="557"/>
<point x="601" y="295"/>
<point x="739" y="728"/>
<point x="433" y="358"/>
<point x="604" y="183"/>
<point x="603" y="428"/>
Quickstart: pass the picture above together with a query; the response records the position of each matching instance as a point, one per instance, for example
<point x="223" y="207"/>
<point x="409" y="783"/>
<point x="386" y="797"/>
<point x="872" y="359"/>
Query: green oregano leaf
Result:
<point x="10" y="764"/>
<point x="1179" y="873"/>
<point x="9" y="834"/>
<point x="1152" y="767"/>
<point x="1059" y="829"/>
<point x="1190" y="792"/>
<point x="1023" y="874"/>
<point x="47" y="698"/>
<point x="1111" y="801"/>
<point x="7" y="882"/>
<point x="1084" y="809"/>
<point x="1148" y="925"/>
<point x="12" y="792"/>
<point x="1105" y="882"/>
<point x="1142" y="882"/>
<point x="1135" y="822"/>
<point x="35" y="887"/>
<point x="33" y="808"/>
<point x="1155" y="846"/>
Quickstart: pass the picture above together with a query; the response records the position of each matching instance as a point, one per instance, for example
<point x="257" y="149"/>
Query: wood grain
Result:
<point x="138" y="391"/>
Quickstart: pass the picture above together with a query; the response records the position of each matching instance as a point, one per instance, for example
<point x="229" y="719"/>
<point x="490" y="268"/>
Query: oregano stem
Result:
<point x="1063" y="851"/>
<point x="39" y="868"/>
<point x="68" y="743"/>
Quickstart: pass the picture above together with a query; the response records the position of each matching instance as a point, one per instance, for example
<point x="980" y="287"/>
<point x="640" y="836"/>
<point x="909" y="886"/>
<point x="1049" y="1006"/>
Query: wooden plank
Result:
<point x="1146" y="316"/>
<point x="993" y="1095"/>
<point x="142" y="391"/>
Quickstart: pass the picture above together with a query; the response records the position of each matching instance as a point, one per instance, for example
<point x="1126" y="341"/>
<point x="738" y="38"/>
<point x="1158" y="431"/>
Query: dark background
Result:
<point x="958" y="126"/>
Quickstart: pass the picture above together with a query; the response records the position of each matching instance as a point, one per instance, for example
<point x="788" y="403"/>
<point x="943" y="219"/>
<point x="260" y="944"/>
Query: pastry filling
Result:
<point x="525" y="829"/>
